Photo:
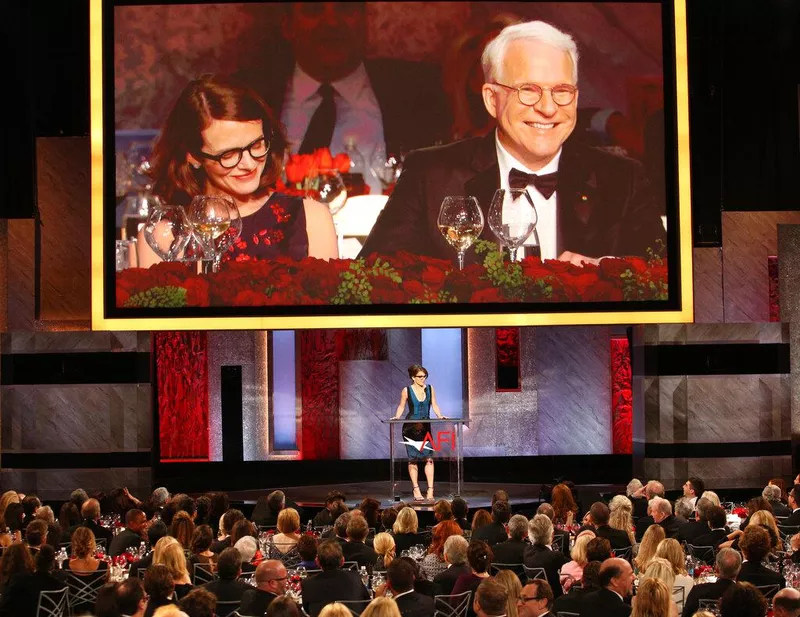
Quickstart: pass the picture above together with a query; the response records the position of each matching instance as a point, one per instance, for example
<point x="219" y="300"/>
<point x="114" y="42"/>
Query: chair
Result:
<point x="708" y="605"/>
<point x="780" y="520"/>
<point x="227" y="609"/>
<point x="423" y="538"/>
<point x="350" y="565"/>
<point x="52" y="603"/>
<point x="100" y="542"/>
<point x="467" y="534"/>
<point x="141" y="572"/>
<point x="535" y="573"/>
<point x="516" y="567"/>
<point x="83" y="589"/>
<point x="356" y="607"/>
<point x="558" y="543"/>
<point x="267" y="528"/>
<point x="623" y="553"/>
<point x="203" y="573"/>
<point x="679" y="597"/>
<point x="787" y="531"/>
<point x="703" y="553"/>
<point x="769" y="591"/>
<point x="452" y="605"/>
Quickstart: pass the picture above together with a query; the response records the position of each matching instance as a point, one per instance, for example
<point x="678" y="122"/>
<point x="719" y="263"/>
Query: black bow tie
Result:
<point x="545" y="184"/>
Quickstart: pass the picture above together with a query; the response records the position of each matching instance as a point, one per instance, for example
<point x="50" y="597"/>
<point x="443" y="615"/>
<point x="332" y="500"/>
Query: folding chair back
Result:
<point x="83" y="589"/>
<point x="703" y="553"/>
<point x="203" y="573"/>
<point x="350" y="565"/>
<point x="679" y="597"/>
<point x="52" y="603"/>
<point x="455" y="605"/>
<point x="535" y="573"/>
<point x="768" y="590"/>
<point x="227" y="609"/>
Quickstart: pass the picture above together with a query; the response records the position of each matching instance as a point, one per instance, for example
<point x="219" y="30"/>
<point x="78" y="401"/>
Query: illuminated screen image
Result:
<point x="470" y="163"/>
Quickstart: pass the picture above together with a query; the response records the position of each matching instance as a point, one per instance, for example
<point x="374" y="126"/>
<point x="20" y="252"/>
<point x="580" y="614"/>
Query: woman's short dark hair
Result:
<point x="307" y="547"/>
<point x="202" y="538"/>
<point x="199" y="602"/>
<point x="742" y="600"/>
<point x="598" y="549"/>
<point x="388" y="517"/>
<point x="479" y="556"/>
<point x="369" y="508"/>
<point x="416" y="368"/>
<point x="241" y="529"/>
<point x="46" y="559"/>
<point x="755" y="543"/>
<point x="14" y="517"/>
<point x="68" y="516"/>
<point x="210" y="97"/>
<point x="203" y="505"/>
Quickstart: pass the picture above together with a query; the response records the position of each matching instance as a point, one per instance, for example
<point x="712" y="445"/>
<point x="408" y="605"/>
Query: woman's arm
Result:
<point x="403" y="398"/>
<point x="435" y="405"/>
<point x="320" y="231"/>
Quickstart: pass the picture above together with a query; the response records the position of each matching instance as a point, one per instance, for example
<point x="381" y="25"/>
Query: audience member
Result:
<point x="16" y="573"/>
<point x="599" y="514"/>
<point x="792" y="499"/>
<point x="561" y="539"/>
<point x="199" y="603"/>
<point x="479" y="557"/>
<point x="717" y="534"/>
<point x="442" y="511"/>
<point x="712" y="497"/>
<point x="226" y="524"/>
<point x="35" y="535"/>
<point x="332" y="583"/>
<point x="616" y="583"/>
<point x="693" y="528"/>
<point x="379" y="607"/>
<point x="173" y="557"/>
<point x="307" y="548"/>
<point x="598" y="549"/>
<point x="155" y="532"/>
<point x="513" y="549"/>
<point x="460" y="510"/>
<point x="248" y="549"/>
<point x="133" y="534"/>
<point x="270" y="583"/>
<point x="405" y="530"/>
<point x="661" y="569"/>
<point x="511" y="583"/>
<point x="82" y="560"/>
<point x="635" y="492"/>
<point x="652" y="489"/>
<point x="574" y="600"/>
<point x="684" y="510"/>
<point x="434" y="562"/>
<point x="653" y="600"/>
<point x="621" y="518"/>
<point x="728" y="564"/>
<point x="400" y="578"/>
<point x="105" y="605"/>
<point x="786" y="603"/>
<point x="742" y="600"/>
<point x="755" y="546"/>
<point x="227" y="587"/>
<point x="693" y="489"/>
<point x="491" y="599"/>
<point x="159" y="587"/>
<point x="480" y="518"/>
<point x="355" y="549"/>
<point x="388" y="518"/>
<point x="333" y="501"/>
<point x="540" y="554"/>
<point x="563" y="504"/>
<point x="90" y="511"/>
<point x="182" y="529"/>
<point x="69" y="517"/>
<point x="130" y="598"/>
<point x="772" y="494"/>
<point x="201" y="546"/>
<point x="455" y="554"/>
<point x="661" y="511"/>
<point x="572" y="571"/>
<point x="288" y="532"/>
<point x="671" y="550"/>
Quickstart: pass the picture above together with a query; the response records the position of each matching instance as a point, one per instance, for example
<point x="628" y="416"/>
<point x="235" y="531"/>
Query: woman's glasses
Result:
<point x="230" y="158"/>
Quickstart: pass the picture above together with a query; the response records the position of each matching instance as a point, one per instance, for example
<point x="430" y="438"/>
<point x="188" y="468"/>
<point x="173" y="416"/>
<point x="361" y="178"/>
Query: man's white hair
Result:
<point x="540" y="31"/>
<point x="771" y="492"/>
<point x="633" y="486"/>
<point x="659" y="504"/>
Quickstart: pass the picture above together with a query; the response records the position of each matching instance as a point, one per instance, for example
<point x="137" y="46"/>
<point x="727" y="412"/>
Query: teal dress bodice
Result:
<point x="416" y="431"/>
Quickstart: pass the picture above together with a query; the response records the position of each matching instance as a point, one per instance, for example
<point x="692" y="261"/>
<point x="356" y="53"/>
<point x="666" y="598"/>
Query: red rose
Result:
<point x="323" y="159"/>
<point x="600" y="291"/>
<point x="197" y="292"/>
<point x="386" y="291"/>
<point x="341" y="162"/>
<point x="490" y="294"/>
<point x="318" y="279"/>
<point x="433" y="276"/>
<point x="415" y="290"/>
<point x="298" y="167"/>
<point x="613" y="268"/>
<point x="248" y="297"/>
<point x="533" y="268"/>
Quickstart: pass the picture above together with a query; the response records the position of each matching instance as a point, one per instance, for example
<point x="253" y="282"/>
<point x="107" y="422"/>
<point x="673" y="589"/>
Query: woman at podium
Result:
<point x="420" y="398"/>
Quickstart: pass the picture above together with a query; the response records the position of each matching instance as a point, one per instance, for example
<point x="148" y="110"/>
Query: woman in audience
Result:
<point x="621" y="516"/>
<point x="201" y="546"/>
<point x="13" y="525"/>
<point x="385" y="548"/>
<point x="572" y="572"/>
<point x="480" y="518"/>
<point x="69" y="517"/>
<point x="652" y="599"/>
<point x="219" y="506"/>
<point x="16" y="572"/>
<point x="202" y="508"/>
<point x="336" y="609"/>
<point x="564" y="506"/>
<point x="767" y="521"/>
<point x="510" y="581"/>
<point x="182" y="529"/>
<point x="283" y="606"/>
<point x="289" y="528"/>
<point x="479" y="558"/>
<point x="82" y="560"/>
<point x="248" y="548"/>
<point x="405" y="529"/>
<point x="647" y="549"/>
<point x="175" y="559"/>
<point x="442" y="511"/>
<point x="388" y="518"/>
<point x="661" y="569"/>
<point x="7" y="498"/>
<point x="434" y="562"/>
<point x="379" y="607"/>
<point x="160" y="588"/>
<point x="671" y="550"/>
<point x="161" y="545"/>
<point x="307" y="548"/>
<point x="370" y="508"/>
<point x="712" y="497"/>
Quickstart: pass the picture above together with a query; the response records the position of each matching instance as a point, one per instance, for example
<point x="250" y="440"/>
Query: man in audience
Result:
<point x="794" y="503"/>
<point x="339" y="531"/>
<point x="598" y="549"/>
<point x="717" y="533"/>
<point x="689" y="531"/>
<point x="400" y="581"/>
<point x="155" y="532"/>
<point x="199" y="603"/>
<point x="652" y="489"/>
<point x="227" y="587"/>
<point x="495" y="532"/>
<point x="616" y="583"/>
<point x="332" y="502"/>
<point x="35" y="535"/>
<point x="355" y="549"/>
<point x="786" y="603"/>
<point x="635" y="492"/>
<point x="684" y="510"/>
<point x="662" y="514"/>
<point x="270" y="583"/>
<point x="560" y="538"/>
<point x="729" y="562"/>
<point x="455" y="554"/>
<point x="30" y="504"/>
<point x="742" y="600"/>
<point x="755" y="545"/>
<point x="692" y="489"/>
<point x="513" y="549"/>
<point x="90" y="511"/>
<point x="332" y="583"/>
<point x="442" y="511"/>
<point x="490" y="599"/>
<point x="535" y="599"/>
<point x="159" y="586"/>
<point x="132" y="535"/>
<point x="540" y="554"/>
<point x="501" y="495"/>
<point x="130" y="598"/>
<point x="78" y="497"/>
<point x="599" y="513"/>
<point x="460" y="510"/>
<point x="772" y="494"/>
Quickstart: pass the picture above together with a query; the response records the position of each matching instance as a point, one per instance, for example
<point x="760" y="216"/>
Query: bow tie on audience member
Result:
<point x="545" y="184"/>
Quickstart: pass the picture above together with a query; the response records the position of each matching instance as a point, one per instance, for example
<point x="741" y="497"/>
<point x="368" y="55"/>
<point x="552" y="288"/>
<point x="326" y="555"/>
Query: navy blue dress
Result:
<point x="418" y="410"/>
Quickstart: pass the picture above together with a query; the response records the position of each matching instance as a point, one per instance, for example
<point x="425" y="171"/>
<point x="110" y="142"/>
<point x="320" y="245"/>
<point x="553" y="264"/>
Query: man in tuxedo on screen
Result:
<point x="590" y="203"/>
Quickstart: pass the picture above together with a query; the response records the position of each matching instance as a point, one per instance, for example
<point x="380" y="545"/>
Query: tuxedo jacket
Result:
<point x="642" y="524"/>
<point x="711" y="538"/>
<point x="689" y="532"/>
<point x="605" y="204"/>
<point x="604" y="603"/>
<point x="793" y="520"/>
<point x="510" y="551"/>
<point x="227" y="590"/>
<point x="360" y="553"/>
<point x="415" y="605"/>
<point x="639" y="507"/>
<point x="444" y="582"/>
<point x="542" y="557"/>
<point x="671" y="525"/>
<point x="616" y="537"/>
<point x="409" y="94"/>
<point x="780" y="509"/>
<point x="704" y="591"/>
<point x="256" y="602"/>
<point x="492" y="534"/>
<point x="329" y="586"/>
<point x="100" y="532"/>
<point x="572" y="602"/>
<point x="758" y="574"/>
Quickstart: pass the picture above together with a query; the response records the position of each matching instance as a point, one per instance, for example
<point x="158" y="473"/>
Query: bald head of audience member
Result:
<point x="786" y="603"/>
<point x="617" y="575"/>
<point x="271" y="576"/>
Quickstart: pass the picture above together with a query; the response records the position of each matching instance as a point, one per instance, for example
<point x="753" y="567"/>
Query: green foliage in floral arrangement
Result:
<point x="356" y="287"/>
<point x="509" y="276"/>
<point x="162" y="297"/>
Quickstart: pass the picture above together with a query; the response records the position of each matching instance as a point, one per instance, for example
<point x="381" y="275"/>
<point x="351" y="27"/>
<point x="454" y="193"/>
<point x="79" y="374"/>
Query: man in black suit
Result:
<point x="155" y="532"/>
<point x="90" y="511"/>
<point x="755" y="546"/>
<point x="400" y="581"/>
<point x="355" y="549"/>
<point x="743" y="600"/>
<point x="772" y="494"/>
<point x="270" y="583"/>
<point x="227" y="587"/>
<point x="339" y="531"/>
<point x="460" y="510"/>
<point x="794" y="504"/>
<point x="689" y="531"/>
<point x="653" y="488"/>
<point x="661" y="511"/>
<point x="495" y="532"/>
<point x="599" y="513"/>
<point x="332" y="583"/>
<point x="616" y="583"/>
<point x="535" y="600"/>
<point x="717" y="534"/>
<point x="541" y="555"/>
<point x="729" y="562"/>
<point x="229" y="520"/>
<point x="513" y="549"/>
<point x="597" y="205"/>
<point x="455" y="554"/>
<point x="130" y="537"/>
<point x="130" y="599"/>
<point x="333" y="501"/>
<point x="490" y="599"/>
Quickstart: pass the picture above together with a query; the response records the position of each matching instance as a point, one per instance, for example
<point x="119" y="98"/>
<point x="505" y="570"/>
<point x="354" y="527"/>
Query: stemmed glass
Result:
<point x="167" y="231"/>
<point x="512" y="218"/>
<point x="217" y="224"/>
<point x="328" y="187"/>
<point x="385" y="167"/>
<point x="461" y="223"/>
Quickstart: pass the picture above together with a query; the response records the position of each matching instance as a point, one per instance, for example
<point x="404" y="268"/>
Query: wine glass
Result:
<point x="216" y="223"/>
<point x="461" y="223"/>
<point x="512" y="218"/>
<point x="328" y="188"/>
<point x="167" y="231"/>
<point x="385" y="167"/>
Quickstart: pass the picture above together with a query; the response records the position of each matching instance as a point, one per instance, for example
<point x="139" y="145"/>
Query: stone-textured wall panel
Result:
<point x="57" y="484"/>
<point x="364" y="402"/>
<point x="20" y="278"/>
<point x="707" y="266"/>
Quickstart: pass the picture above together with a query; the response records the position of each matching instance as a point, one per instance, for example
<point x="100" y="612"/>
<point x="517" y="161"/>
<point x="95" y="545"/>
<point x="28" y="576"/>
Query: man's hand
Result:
<point x="576" y="259"/>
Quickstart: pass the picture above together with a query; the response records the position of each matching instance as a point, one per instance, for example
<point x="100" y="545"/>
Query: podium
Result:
<point x="444" y="444"/>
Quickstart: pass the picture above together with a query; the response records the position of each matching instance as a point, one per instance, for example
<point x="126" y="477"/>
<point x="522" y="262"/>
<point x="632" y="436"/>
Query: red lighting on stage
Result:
<point x="621" y="396"/>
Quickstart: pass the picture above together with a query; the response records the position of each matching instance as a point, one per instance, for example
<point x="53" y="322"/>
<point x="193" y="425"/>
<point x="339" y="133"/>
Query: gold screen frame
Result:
<point x="467" y="319"/>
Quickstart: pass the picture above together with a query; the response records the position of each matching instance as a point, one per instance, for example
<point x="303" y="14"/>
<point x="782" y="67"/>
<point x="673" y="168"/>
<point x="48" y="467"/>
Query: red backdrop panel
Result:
<point x="621" y="396"/>
<point x="182" y="374"/>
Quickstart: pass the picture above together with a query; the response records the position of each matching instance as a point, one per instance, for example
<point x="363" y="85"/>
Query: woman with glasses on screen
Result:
<point x="420" y="398"/>
<point x="220" y="138"/>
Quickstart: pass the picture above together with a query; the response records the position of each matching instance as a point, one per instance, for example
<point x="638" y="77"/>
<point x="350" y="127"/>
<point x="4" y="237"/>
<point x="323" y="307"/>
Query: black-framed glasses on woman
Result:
<point x="530" y="94"/>
<point x="229" y="159"/>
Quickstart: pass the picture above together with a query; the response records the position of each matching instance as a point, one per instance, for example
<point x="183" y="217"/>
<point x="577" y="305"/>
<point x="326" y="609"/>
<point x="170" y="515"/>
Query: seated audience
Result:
<point x="355" y="549"/>
<point x="130" y="598"/>
<point x="160" y="588"/>
<point x="620" y="517"/>
<point x="648" y="547"/>
<point x="307" y="548"/>
<point x="379" y="607"/>
<point x="671" y="550"/>
<point x="35" y="535"/>
<point x="599" y="514"/>
<point x="384" y="547"/>
<point x="83" y="560"/>
<point x="540" y="554"/>
<point x="182" y="529"/>
<point x="227" y="588"/>
<point x="203" y="511"/>
<point x="661" y="569"/>
<point x="69" y="517"/>
<point x="388" y="517"/>
<point x="698" y="526"/>
<point x="764" y="519"/>
<point x="563" y="504"/>
<point x="794" y="503"/>
<point x="90" y="511"/>
<point x="712" y="497"/>
<point x="400" y="578"/>
<point x="270" y="583"/>
<point x="339" y="529"/>
<point x="268" y="508"/>
<point x="16" y="573"/>
<point x="490" y="600"/>
<point x="742" y="600"/>
<point x="693" y="489"/>
<point x="405" y="530"/>
<point x="251" y="556"/>
<point x="132" y="536"/>
<point x="572" y="571"/>
<point x="598" y="549"/>
<point x="772" y="494"/>
<point x="661" y="511"/>
<point x="434" y="563"/>
<point x="288" y="533"/>
<point x="786" y="603"/>
<point x="460" y="510"/>
<point x="684" y="510"/>
<point x="333" y="501"/>
<point x="455" y="554"/>
<point x="370" y="509"/>
<point x="199" y="603"/>
<point x="479" y="557"/>
<point x="226" y="524"/>
<point x="728" y="564"/>
<point x="755" y="546"/>
<point x="201" y="546"/>
<point x="442" y="511"/>
<point x="332" y="583"/>
<point x="511" y="583"/>
<point x="155" y="532"/>
<point x="561" y="539"/>
<point x="105" y="604"/>
<point x="480" y="519"/>
<point x="635" y="492"/>
<point x="173" y="557"/>
<point x="574" y="600"/>
<point x="616" y="583"/>
<point x="337" y="609"/>
<point x="653" y="598"/>
<point x="652" y="489"/>
<point x="717" y="534"/>
<point x="513" y="549"/>
<point x="421" y="584"/>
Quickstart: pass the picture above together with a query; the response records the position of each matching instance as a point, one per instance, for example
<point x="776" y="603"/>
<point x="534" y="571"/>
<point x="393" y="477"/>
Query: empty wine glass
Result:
<point x="385" y="167"/>
<point x="512" y="218"/>
<point x="217" y="224"/>
<point x="328" y="188"/>
<point x="461" y="223"/>
<point x="167" y="231"/>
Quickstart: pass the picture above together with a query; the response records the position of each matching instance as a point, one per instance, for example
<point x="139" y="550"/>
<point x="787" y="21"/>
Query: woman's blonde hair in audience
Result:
<point x="83" y="543"/>
<point x="765" y="518"/>
<point x="711" y="496"/>
<point x="162" y="543"/>
<point x="406" y="522"/>
<point x="578" y="552"/>
<point x="337" y="609"/>
<point x="174" y="558"/>
<point x="509" y="580"/>
<point x="379" y="607"/>
<point x="661" y="569"/>
<point x="621" y="516"/>
<point x="670" y="549"/>
<point x="169" y="611"/>
<point x="647" y="549"/>
<point x="653" y="599"/>
<point x="288" y="521"/>
<point x="384" y="545"/>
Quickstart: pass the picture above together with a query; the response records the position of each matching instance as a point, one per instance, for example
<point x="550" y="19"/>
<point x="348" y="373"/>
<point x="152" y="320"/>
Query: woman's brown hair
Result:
<point x="210" y="97"/>
<point x="16" y="559"/>
<point x="182" y="529"/>
<point x="563" y="503"/>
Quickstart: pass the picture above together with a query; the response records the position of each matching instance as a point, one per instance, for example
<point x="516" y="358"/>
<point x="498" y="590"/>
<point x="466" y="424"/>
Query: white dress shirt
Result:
<point x="358" y="115"/>
<point x="547" y="227"/>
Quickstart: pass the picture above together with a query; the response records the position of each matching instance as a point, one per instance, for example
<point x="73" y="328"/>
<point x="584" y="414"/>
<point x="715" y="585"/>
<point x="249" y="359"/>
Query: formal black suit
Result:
<point x="409" y="94"/>
<point x="510" y="551"/>
<point x="463" y="523"/>
<point x="690" y="531"/>
<point x="100" y="532"/>
<point x="572" y="602"/>
<point x="125" y="540"/>
<point x="329" y="586"/>
<point x="256" y="602"/>
<point x="793" y="520"/>
<point x="604" y="603"/>
<point x="705" y="591"/>
<point x="227" y="590"/>
<point x="759" y="575"/>
<point x="713" y="537"/>
<point x="616" y="537"/>
<point x="20" y="596"/>
<point x="537" y="556"/>
<point x="360" y="553"/>
<point x="415" y="605"/>
<point x="639" y="507"/>
<point x="144" y="563"/>
<point x="404" y="541"/>
<point x="493" y="533"/>
<point x="605" y="206"/>
<point x="445" y="581"/>
<point x="780" y="509"/>
<point x="641" y="526"/>
<point x="670" y="525"/>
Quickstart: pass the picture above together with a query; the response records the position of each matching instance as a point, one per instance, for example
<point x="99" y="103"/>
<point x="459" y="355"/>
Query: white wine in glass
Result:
<point x="461" y="223"/>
